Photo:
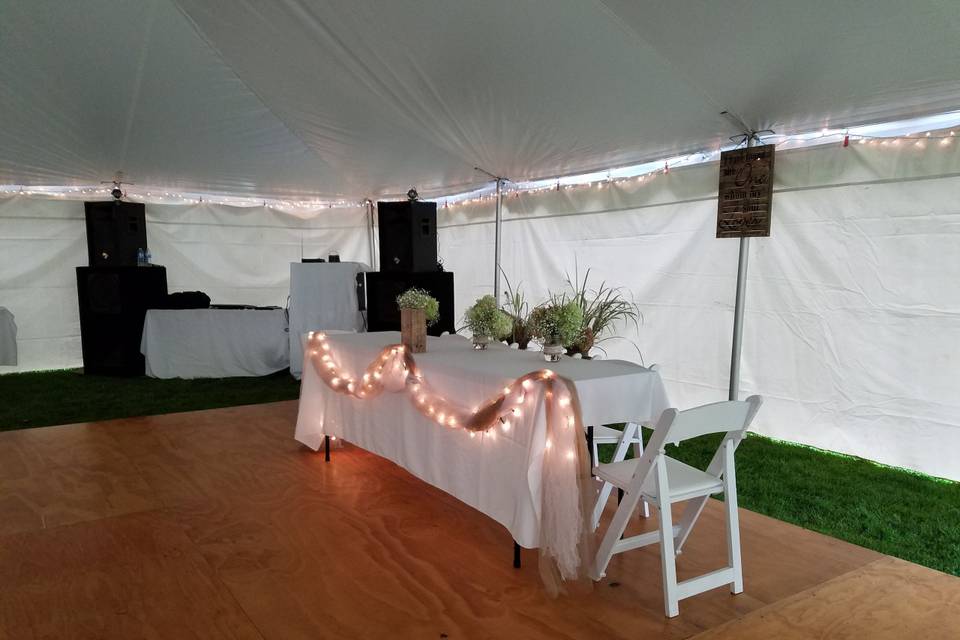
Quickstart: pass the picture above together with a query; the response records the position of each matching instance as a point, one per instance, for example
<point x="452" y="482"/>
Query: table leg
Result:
<point x="326" y="448"/>
<point x="593" y="462"/>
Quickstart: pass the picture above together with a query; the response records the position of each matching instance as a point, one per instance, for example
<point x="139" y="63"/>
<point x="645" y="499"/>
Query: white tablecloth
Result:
<point x="214" y="343"/>
<point x="499" y="476"/>
<point x="8" y="338"/>
<point x="323" y="296"/>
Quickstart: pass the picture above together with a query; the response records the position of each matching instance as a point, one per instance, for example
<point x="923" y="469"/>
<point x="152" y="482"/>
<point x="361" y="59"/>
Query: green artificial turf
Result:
<point x="897" y="512"/>
<point x="894" y="511"/>
<point x="46" y="398"/>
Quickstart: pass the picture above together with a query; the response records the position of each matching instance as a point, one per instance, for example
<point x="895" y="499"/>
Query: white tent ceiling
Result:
<point x="356" y="98"/>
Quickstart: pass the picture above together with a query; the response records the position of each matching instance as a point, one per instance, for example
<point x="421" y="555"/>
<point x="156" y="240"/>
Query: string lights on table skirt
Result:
<point x="566" y="537"/>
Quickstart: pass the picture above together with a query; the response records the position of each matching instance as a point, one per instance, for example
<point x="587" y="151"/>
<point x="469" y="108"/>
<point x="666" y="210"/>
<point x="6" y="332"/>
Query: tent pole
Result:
<point x="734" y="391"/>
<point x="370" y="236"/>
<point x="738" y="319"/>
<point x="497" y="241"/>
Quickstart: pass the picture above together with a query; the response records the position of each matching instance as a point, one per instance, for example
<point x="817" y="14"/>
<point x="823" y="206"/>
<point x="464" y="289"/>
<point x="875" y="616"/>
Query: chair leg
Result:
<point x="516" y="555"/>
<point x="592" y="449"/>
<point x="326" y="448"/>
<point x="690" y="515"/>
<point x="619" y="454"/>
<point x="733" y="520"/>
<point x="637" y="453"/>
<point x="602" y="498"/>
<point x="668" y="560"/>
<point x="614" y="532"/>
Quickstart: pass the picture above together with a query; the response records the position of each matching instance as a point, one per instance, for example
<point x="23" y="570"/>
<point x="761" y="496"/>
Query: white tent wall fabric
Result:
<point x="851" y="309"/>
<point x="236" y="255"/>
<point x="852" y="304"/>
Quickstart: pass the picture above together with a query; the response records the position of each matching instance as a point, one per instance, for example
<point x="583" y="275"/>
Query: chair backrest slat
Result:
<point x="719" y="417"/>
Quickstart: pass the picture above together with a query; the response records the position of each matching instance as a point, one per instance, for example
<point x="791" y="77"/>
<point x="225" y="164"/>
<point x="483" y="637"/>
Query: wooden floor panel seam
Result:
<point x="283" y="545"/>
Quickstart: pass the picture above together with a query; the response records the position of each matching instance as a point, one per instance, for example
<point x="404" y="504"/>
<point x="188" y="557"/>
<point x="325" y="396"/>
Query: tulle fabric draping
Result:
<point x="566" y="544"/>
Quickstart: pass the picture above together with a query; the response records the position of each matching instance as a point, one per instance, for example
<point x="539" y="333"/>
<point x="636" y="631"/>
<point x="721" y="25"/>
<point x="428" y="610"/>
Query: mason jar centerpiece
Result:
<point x="487" y="322"/>
<point x="556" y="324"/>
<point x="418" y="310"/>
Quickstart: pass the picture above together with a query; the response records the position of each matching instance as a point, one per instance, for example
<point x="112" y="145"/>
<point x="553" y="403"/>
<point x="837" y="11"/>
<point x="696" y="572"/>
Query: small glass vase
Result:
<point x="480" y="342"/>
<point x="552" y="352"/>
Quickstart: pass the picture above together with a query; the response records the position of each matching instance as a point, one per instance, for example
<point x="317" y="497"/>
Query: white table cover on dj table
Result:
<point x="215" y="343"/>
<point x="323" y="296"/>
<point x="8" y="338"/>
<point x="500" y="476"/>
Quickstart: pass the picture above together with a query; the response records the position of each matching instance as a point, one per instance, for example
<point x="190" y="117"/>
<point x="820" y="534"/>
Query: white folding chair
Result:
<point x="662" y="481"/>
<point x="622" y="440"/>
<point x="631" y="435"/>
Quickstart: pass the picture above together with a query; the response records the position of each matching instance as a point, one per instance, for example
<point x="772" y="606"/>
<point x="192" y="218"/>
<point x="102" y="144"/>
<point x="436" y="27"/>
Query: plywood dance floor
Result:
<point x="217" y="524"/>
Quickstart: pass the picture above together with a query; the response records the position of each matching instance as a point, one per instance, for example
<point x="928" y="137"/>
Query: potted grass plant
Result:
<point x="516" y="307"/>
<point x="418" y="309"/>
<point x="556" y="324"/>
<point x="487" y="322"/>
<point x="604" y="308"/>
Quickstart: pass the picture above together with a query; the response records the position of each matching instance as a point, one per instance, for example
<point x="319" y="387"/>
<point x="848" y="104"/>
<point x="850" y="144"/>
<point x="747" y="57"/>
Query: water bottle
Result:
<point x="147" y="258"/>
<point x="141" y="257"/>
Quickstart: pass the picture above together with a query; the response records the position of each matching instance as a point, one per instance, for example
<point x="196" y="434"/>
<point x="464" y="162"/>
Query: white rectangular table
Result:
<point x="500" y="476"/>
<point x="215" y="343"/>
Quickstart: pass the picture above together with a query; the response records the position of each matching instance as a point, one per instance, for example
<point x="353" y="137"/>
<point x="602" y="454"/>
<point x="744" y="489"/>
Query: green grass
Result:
<point x="894" y="511"/>
<point x="59" y="397"/>
<point x="897" y="512"/>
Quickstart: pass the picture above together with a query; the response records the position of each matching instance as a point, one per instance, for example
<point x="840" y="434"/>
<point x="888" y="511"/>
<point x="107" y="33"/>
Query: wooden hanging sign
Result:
<point x="746" y="192"/>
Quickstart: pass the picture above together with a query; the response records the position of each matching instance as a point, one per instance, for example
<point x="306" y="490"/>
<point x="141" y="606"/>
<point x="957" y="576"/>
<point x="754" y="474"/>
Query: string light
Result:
<point x="638" y="174"/>
<point x="179" y="198"/>
<point x="614" y="177"/>
<point x="481" y="419"/>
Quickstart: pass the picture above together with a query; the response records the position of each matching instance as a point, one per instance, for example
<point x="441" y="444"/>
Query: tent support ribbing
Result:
<point x="744" y="256"/>
<point x="498" y="227"/>
<point x="371" y="241"/>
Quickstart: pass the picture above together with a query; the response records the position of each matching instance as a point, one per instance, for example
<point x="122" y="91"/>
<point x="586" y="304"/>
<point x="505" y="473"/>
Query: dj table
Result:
<point x="215" y="343"/>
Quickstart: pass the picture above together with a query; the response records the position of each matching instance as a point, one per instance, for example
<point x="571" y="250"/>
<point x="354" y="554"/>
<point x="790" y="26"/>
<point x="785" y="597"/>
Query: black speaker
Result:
<point x="361" y="292"/>
<point x="115" y="231"/>
<point x="383" y="289"/>
<point x="408" y="236"/>
<point x="113" y="303"/>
